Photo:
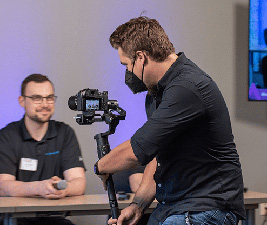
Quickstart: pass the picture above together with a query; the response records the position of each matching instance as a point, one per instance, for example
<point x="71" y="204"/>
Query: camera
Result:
<point x="91" y="100"/>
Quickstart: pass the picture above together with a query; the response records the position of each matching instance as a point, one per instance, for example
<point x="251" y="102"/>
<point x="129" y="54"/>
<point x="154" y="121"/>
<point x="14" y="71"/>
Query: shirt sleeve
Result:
<point x="71" y="155"/>
<point x="8" y="157"/>
<point x="180" y="108"/>
<point x="138" y="169"/>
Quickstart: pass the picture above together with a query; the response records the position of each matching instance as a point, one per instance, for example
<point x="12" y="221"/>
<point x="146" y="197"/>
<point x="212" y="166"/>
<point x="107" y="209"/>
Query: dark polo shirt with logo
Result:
<point x="31" y="160"/>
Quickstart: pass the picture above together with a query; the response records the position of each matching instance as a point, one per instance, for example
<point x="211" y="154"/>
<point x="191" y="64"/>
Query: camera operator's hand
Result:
<point x="129" y="216"/>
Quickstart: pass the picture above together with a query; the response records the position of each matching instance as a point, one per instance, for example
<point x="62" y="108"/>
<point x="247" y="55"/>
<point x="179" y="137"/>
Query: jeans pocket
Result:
<point x="230" y="219"/>
<point x="206" y="217"/>
<point x="214" y="217"/>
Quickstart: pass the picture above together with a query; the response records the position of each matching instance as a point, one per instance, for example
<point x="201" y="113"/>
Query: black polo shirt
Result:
<point x="189" y="131"/>
<point x="56" y="152"/>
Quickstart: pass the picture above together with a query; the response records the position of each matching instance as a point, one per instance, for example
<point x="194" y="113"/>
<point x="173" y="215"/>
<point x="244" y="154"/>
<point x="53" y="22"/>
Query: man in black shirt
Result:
<point x="192" y="166"/>
<point x="36" y="152"/>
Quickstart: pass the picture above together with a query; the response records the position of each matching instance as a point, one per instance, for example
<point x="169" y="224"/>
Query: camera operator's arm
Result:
<point x="120" y="158"/>
<point x="135" y="181"/>
<point x="143" y="198"/>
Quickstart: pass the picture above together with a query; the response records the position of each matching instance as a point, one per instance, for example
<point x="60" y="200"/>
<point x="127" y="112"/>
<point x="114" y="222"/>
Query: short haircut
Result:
<point x="142" y="34"/>
<point x="38" y="78"/>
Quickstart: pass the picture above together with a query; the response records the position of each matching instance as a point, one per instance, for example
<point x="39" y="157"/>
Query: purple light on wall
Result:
<point x="257" y="93"/>
<point x="63" y="41"/>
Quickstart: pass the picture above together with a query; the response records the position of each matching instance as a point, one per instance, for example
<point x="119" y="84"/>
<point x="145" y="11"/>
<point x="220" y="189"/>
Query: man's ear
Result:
<point x="22" y="101"/>
<point x="141" y="56"/>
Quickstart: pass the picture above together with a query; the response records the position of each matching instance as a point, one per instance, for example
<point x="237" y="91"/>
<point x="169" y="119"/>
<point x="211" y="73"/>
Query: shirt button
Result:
<point x="163" y="203"/>
<point x="159" y="185"/>
<point x="38" y="150"/>
<point x="158" y="164"/>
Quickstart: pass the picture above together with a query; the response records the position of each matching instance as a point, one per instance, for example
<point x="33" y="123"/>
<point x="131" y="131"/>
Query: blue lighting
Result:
<point x="257" y="50"/>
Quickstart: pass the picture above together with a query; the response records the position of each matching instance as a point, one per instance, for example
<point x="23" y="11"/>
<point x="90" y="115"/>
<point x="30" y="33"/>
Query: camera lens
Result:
<point x="72" y="103"/>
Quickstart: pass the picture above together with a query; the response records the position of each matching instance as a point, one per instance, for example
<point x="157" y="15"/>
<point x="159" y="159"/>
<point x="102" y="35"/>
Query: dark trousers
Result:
<point x="213" y="217"/>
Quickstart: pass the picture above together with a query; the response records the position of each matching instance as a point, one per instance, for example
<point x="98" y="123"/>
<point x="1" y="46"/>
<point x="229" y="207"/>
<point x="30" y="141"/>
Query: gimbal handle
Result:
<point x="103" y="148"/>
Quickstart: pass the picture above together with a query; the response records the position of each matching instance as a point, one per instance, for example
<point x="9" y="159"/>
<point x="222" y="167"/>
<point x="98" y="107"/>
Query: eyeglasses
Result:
<point x="38" y="99"/>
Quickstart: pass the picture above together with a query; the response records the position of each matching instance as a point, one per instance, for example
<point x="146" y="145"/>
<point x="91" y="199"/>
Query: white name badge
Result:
<point x="28" y="164"/>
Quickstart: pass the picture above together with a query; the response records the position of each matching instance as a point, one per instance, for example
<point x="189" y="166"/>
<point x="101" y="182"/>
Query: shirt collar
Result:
<point x="170" y="74"/>
<point x="51" y="132"/>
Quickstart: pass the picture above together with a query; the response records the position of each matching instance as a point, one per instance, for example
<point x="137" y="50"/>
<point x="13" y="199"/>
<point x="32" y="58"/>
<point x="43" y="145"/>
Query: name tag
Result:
<point x="28" y="164"/>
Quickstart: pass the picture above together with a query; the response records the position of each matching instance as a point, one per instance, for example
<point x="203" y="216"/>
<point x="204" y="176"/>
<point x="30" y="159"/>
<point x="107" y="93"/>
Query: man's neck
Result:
<point x="35" y="129"/>
<point x="162" y="67"/>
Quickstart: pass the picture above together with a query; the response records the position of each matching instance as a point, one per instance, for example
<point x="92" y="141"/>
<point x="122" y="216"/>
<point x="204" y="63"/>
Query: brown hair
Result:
<point x="142" y="34"/>
<point x="38" y="78"/>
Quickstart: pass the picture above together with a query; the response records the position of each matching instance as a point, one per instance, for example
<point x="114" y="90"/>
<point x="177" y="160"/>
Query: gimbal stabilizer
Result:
<point x="103" y="148"/>
<point x="88" y="101"/>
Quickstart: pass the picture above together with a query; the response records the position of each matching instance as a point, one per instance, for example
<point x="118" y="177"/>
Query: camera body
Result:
<point x="89" y="100"/>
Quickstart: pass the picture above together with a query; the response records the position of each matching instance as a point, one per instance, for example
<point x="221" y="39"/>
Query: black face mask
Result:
<point x="133" y="82"/>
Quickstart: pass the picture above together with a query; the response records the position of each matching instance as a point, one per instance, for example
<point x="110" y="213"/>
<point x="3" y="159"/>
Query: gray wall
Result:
<point x="68" y="41"/>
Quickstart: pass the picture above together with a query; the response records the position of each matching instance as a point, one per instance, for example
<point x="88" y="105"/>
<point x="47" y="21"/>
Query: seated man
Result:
<point x="36" y="152"/>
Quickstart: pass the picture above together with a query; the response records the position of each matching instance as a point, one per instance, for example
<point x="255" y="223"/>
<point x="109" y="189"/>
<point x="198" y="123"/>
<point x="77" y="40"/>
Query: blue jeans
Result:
<point x="214" y="217"/>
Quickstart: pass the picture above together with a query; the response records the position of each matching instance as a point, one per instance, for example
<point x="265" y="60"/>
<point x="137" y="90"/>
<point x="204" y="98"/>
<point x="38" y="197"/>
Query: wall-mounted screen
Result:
<point x="257" y="50"/>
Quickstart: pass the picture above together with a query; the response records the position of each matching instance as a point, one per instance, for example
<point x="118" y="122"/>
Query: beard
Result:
<point x="152" y="90"/>
<point x="39" y="119"/>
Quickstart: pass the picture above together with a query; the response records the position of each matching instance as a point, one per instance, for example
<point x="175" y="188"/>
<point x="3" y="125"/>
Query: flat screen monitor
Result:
<point x="257" y="50"/>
